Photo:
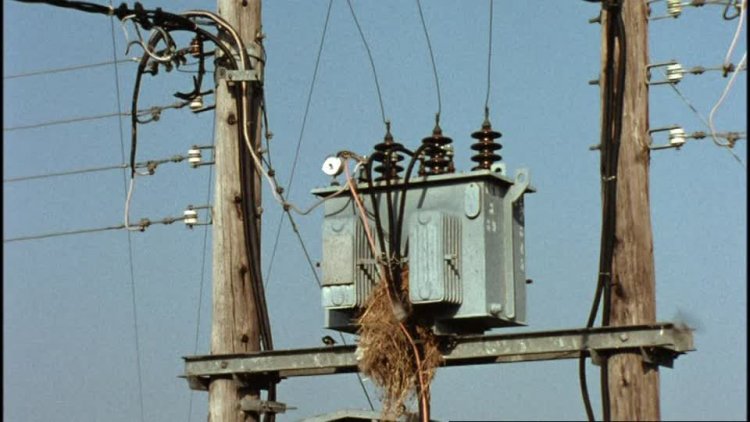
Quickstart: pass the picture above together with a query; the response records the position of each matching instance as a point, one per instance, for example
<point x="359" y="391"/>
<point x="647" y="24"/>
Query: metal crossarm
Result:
<point x="659" y="343"/>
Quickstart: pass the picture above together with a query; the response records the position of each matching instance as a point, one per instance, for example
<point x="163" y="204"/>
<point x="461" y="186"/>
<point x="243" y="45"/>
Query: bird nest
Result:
<point x="391" y="344"/>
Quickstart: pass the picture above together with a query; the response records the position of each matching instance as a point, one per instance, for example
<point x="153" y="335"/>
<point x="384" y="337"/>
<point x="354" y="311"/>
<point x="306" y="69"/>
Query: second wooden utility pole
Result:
<point x="632" y="383"/>
<point x="236" y="326"/>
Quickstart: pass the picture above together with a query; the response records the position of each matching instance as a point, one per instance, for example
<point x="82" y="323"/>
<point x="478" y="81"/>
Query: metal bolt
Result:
<point x="624" y="337"/>
<point x="232" y="119"/>
<point x="224" y="364"/>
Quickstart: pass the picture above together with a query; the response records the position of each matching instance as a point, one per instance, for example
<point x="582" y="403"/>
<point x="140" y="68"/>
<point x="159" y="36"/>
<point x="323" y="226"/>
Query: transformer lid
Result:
<point x="441" y="179"/>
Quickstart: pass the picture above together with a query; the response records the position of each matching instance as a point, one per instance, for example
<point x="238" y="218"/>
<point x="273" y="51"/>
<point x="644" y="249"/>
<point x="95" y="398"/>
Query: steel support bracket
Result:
<point x="248" y="404"/>
<point x="596" y="357"/>
<point x="658" y="343"/>
<point x="232" y="76"/>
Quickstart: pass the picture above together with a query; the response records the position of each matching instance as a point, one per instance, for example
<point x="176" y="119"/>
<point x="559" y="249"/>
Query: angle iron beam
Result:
<point x="662" y="339"/>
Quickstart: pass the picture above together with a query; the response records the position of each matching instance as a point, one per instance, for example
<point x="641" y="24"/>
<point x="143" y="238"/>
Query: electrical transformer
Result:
<point x="463" y="234"/>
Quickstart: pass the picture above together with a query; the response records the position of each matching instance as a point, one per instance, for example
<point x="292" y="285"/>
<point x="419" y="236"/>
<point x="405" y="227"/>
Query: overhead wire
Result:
<point x="179" y="22"/>
<point x="202" y="280"/>
<point x="299" y="138"/>
<point x="718" y="104"/>
<point x="730" y="50"/>
<point x="489" y="64"/>
<point x="67" y="69"/>
<point x="131" y="265"/>
<point x="153" y="111"/>
<point x="143" y="224"/>
<point x="700" y="116"/>
<point x="150" y="165"/>
<point x="65" y="173"/>
<point x="62" y="233"/>
<point x="432" y="59"/>
<point x="372" y="62"/>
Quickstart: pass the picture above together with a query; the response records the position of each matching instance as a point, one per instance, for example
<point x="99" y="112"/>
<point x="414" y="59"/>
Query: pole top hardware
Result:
<point x="261" y="406"/>
<point x="252" y="75"/>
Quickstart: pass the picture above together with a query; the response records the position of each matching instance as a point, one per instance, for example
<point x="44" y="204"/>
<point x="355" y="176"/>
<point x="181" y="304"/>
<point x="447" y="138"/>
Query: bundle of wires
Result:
<point x="250" y="164"/>
<point x="395" y="350"/>
<point x="611" y="132"/>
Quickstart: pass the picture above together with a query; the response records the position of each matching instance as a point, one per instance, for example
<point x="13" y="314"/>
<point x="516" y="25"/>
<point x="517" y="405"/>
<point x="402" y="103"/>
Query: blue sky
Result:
<point x="69" y="349"/>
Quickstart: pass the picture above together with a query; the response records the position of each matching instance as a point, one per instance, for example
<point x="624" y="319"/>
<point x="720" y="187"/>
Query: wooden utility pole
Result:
<point x="633" y="384"/>
<point x="235" y="326"/>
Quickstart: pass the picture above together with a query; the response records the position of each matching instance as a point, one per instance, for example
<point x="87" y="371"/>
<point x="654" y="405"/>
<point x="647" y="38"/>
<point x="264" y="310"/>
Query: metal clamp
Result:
<point x="252" y="75"/>
<point x="248" y="404"/>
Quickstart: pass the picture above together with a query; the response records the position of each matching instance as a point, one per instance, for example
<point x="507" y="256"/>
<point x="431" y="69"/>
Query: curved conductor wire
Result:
<point x="728" y="57"/>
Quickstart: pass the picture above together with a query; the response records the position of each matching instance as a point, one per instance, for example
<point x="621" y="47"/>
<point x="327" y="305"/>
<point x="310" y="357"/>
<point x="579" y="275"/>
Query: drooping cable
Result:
<point x="432" y="59"/>
<point x="372" y="62"/>
<point x="299" y="138"/>
<point x="133" y="295"/>
<point x="730" y="50"/>
<point x="611" y="131"/>
<point x="489" y="64"/>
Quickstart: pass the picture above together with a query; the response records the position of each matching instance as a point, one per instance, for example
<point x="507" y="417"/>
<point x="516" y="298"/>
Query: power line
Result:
<point x="62" y="122"/>
<point x="309" y="98"/>
<point x="133" y="296"/>
<point x="489" y="64"/>
<point x="700" y="116"/>
<point x="372" y="62"/>
<point x="203" y="277"/>
<point x="67" y="69"/>
<point x="432" y="58"/>
<point x="63" y="233"/>
<point x="142" y="225"/>
<point x="299" y="138"/>
<point x="154" y="111"/>
<point x="65" y="173"/>
<point x="151" y="165"/>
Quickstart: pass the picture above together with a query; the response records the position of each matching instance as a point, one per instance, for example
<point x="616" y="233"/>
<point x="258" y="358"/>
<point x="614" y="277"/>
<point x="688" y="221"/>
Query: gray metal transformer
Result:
<point x="464" y="237"/>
